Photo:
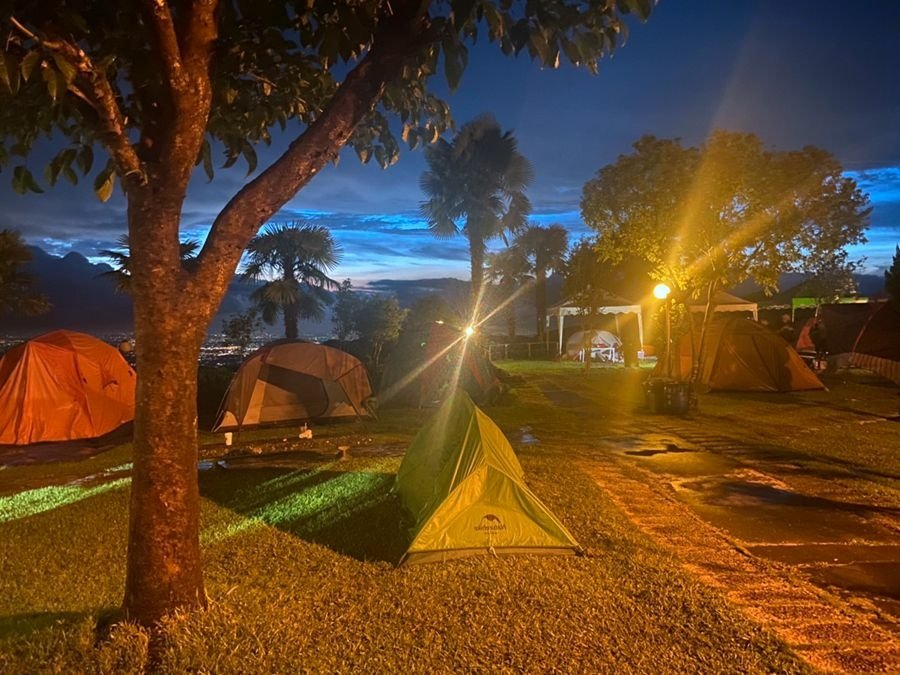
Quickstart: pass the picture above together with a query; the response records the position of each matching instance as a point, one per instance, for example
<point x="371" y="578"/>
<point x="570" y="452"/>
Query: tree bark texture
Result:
<point x="700" y="354"/>
<point x="476" y="254"/>
<point x="290" y="320"/>
<point x="164" y="567"/>
<point x="173" y="307"/>
<point x="540" y="302"/>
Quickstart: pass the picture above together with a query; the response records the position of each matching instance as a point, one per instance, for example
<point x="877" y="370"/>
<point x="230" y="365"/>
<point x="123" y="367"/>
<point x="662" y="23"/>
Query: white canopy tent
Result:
<point x="726" y="302"/>
<point x="616" y="306"/>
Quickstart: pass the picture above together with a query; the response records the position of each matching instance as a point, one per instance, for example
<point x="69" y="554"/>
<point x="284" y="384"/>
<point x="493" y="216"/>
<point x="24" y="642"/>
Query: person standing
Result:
<point x="819" y="337"/>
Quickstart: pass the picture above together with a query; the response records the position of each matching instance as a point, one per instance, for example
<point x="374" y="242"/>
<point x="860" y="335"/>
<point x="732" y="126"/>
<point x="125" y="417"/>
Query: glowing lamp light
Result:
<point x="470" y="331"/>
<point x="661" y="291"/>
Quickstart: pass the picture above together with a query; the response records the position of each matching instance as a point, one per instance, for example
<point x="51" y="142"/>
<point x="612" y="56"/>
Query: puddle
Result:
<point x="652" y="452"/>
<point x="878" y="580"/>
<point x="765" y="513"/>
<point x="839" y="554"/>
<point x="105" y="476"/>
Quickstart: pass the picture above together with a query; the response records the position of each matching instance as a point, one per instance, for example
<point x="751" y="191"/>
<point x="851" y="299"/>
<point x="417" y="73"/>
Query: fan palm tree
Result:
<point x="545" y="249"/>
<point x="120" y="258"/>
<point x="293" y="261"/>
<point x="475" y="185"/>
<point x="508" y="269"/>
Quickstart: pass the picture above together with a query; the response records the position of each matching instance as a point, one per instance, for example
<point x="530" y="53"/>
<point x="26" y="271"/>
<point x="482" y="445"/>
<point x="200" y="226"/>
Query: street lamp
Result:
<point x="470" y="331"/>
<point x="661" y="292"/>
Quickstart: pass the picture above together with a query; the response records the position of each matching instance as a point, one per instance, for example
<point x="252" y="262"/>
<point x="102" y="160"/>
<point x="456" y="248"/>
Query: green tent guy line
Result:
<point x="464" y="486"/>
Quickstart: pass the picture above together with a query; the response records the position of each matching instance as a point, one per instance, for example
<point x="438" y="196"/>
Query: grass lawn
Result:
<point x="300" y="566"/>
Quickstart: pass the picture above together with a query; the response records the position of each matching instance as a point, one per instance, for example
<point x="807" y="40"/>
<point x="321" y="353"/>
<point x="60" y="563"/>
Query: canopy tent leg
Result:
<point x="561" y="322"/>
<point x="640" y="331"/>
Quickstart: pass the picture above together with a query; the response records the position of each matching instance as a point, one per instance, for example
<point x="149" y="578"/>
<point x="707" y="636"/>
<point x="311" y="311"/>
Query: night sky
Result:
<point x="800" y="72"/>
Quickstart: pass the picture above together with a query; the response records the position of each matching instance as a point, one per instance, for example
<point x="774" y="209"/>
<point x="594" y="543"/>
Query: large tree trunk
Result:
<point x="163" y="568"/>
<point x="511" y="317"/>
<point x="290" y="321"/>
<point x="540" y="302"/>
<point x="700" y="354"/>
<point x="476" y="253"/>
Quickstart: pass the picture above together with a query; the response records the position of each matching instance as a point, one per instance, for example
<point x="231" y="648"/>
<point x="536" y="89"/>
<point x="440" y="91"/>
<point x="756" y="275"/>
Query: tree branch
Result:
<point x="401" y="36"/>
<point x="96" y="89"/>
<point x="187" y="53"/>
<point x="160" y="19"/>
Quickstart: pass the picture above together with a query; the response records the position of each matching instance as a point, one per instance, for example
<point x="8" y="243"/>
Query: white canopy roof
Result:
<point x="726" y="302"/>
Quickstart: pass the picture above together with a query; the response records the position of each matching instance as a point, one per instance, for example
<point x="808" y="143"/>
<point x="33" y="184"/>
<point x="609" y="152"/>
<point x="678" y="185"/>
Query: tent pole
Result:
<point x="640" y="330"/>
<point x="560" y="322"/>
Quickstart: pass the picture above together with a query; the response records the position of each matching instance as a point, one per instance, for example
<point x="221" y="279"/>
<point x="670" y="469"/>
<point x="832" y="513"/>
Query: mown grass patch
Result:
<point x="300" y="560"/>
<point x="300" y="572"/>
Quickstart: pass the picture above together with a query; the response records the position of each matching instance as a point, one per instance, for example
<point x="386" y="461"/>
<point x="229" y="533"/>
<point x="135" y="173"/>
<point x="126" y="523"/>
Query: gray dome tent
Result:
<point x="292" y="381"/>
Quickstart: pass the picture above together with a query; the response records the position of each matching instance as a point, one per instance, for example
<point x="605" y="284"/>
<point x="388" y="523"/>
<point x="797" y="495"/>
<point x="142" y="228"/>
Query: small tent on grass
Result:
<point x="601" y="340"/>
<point x="430" y="359"/>
<point x="464" y="486"/>
<point x="292" y="380"/>
<point x="63" y="386"/>
<point x="741" y="355"/>
<point x="878" y="346"/>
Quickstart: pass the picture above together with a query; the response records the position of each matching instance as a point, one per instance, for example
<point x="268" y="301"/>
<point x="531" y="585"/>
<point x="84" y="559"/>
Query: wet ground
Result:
<point x="43" y="453"/>
<point x="797" y="512"/>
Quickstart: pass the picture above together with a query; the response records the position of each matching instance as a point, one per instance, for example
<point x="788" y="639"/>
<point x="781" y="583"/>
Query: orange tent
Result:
<point x="741" y="355"/>
<point x="63" y="386"/>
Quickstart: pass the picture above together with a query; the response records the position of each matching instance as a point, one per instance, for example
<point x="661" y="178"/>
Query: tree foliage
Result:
<point x="584" y="282"/>
<point x="892" y="278"/>
<point x="509" y="269"/>
<point x="475" y="185"/>
<point x="293" y="262"/>
<point x="82" y="70"/>
<point x="725" y="212"/>
<point x="238" y="329"/>
<point x="140" y="93"/>
<point x="545" y="249"/>
<point x="373" y="319"/>
<point x="17" y="292"/>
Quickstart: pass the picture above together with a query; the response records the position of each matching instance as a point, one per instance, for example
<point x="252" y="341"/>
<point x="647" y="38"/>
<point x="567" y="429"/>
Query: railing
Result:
<point x="522" y="351"/>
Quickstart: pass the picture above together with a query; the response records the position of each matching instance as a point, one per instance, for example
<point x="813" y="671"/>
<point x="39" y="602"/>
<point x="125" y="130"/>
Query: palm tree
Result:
<point x="294" y="261"/>
<point x="120" y="258"/>
<point x="475" y="185"/>
<point x="545" y="248"/>
<point x="508" y="268"/>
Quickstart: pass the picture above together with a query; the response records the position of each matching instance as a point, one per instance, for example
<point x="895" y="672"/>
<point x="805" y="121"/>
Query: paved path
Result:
<point x="804" y="539"/>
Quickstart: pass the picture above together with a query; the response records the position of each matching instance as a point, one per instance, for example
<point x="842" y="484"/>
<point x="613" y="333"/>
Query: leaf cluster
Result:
<point x="293" y="260"/>
<point x="275" y="66"/>
<point x="17" y="292"/>
<point x="726" y="211"/>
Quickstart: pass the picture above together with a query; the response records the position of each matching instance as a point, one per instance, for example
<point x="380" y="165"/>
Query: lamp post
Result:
<point x="661" y="292"/>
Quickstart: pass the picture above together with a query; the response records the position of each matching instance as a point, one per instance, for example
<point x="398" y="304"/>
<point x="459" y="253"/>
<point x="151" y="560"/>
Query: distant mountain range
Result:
<point x="83" y="300"/>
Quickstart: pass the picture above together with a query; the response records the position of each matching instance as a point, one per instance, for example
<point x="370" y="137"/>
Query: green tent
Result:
<point x="464" y="486"/>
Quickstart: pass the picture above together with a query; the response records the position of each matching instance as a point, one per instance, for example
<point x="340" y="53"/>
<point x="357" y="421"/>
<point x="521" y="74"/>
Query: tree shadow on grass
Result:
<point x="21" y="625"/>
<point x="352" y="512"/>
